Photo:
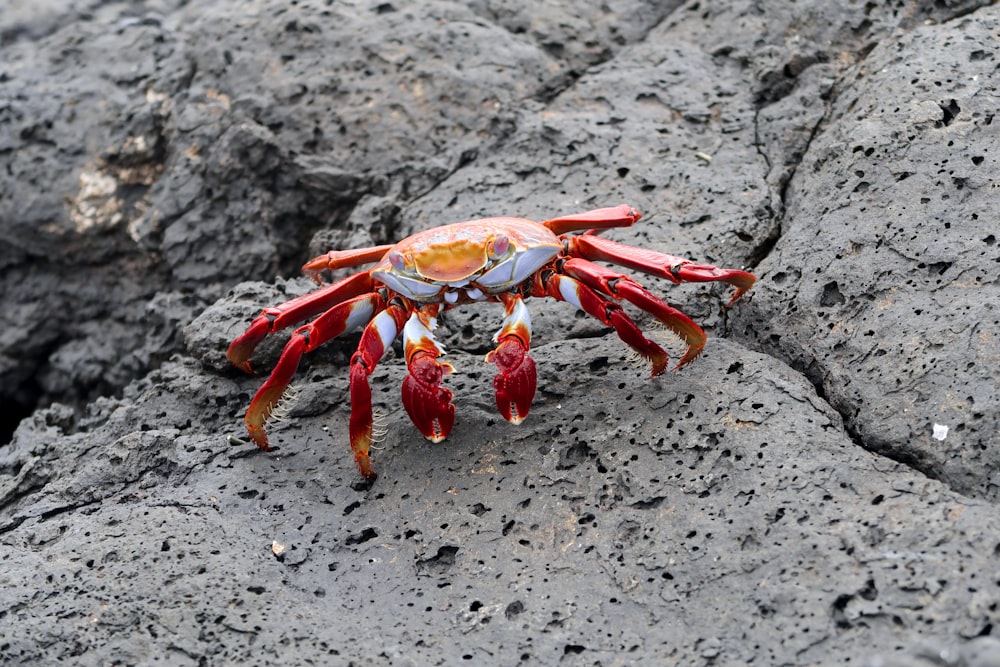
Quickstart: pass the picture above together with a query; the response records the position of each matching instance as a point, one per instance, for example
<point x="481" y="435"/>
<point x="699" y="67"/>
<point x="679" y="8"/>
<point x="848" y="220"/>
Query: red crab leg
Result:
<point x="375" y="341"/>
<point x="298" y="309"/>
<point x="515" y="383"/>
<point x="607" y="311"/>
<point x="426" y="401"/>
<point x="602" y="218"/>
<point x="623" y="287"/>
<point x="339" y="259"/>
<point x="342" y="317"/>
<point x="674" y="269"/>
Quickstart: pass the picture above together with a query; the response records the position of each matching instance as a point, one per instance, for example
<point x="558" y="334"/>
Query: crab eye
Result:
<point x="397" y="260"/>
<point x="500" y="246"/>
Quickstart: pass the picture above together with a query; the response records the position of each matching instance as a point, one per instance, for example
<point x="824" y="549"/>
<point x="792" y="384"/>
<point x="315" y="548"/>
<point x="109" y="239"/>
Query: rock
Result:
<point x="882" y="288"/>
<point x="817" y="488"/>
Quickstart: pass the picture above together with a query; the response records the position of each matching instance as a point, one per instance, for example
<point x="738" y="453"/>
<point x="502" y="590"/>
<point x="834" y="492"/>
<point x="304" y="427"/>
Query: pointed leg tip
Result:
<point x="364" y="464"/>
<point x="259" y="437"/>
<point x="364" y="482"/>
<point x="742" y="281"/>
<point x="736" y="297"/>
<point x="240" y="361"/>
<point x="692" y="354"/>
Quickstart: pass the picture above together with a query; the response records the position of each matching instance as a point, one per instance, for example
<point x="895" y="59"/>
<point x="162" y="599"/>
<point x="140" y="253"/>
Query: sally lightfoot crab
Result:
<point x="504" y="260"/>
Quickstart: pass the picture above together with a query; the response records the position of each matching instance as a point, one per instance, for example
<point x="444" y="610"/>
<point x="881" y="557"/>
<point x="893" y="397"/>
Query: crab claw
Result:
<point x="426" y="401"/>
<point x="515" y="383"/>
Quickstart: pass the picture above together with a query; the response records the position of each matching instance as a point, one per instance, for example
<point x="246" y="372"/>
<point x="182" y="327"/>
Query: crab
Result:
<point x="502" y="259"/>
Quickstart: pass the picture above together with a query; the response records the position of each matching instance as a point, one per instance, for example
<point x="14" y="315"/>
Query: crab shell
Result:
<point x="467" y="261"/>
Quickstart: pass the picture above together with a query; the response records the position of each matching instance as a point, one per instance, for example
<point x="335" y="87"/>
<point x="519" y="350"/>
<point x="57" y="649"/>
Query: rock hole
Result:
<point x="831" y="295"/>
<point x="513" y="609"/>
<point x="949" y="110"/>
<point x="362" y="537"/>
<point x="439" y="563"/>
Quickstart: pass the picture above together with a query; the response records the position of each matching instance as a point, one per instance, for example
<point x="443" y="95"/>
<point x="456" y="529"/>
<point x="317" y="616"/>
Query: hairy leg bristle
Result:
<point x="282" y="408"/>
<point x="380" y="427"/>
<point x="668" y="339"/>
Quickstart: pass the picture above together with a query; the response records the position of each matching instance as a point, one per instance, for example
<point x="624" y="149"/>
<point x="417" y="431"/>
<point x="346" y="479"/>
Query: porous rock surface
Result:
<point x="818" y="488"/>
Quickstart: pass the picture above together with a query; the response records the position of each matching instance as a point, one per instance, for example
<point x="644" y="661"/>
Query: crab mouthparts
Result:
<point x="475" y="294"/>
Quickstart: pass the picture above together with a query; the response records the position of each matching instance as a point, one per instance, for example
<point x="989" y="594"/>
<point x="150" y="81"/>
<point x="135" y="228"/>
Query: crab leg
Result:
<point x="622" y="287"/>
<point x="674" y="269"/>
<point x="343" y="317"/>
<point x="602" y="218"/>
<point x="515" y="383"/>
<point x="298" y="309"/>
<point x="608" y="312"/>
<point x="426" y="401"/>
<point x="340" y="259"/>
<point x="375" y="341"/>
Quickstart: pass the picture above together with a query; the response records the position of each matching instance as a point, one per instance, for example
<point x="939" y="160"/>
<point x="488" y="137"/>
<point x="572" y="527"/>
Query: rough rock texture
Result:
<point x="889" y="251"/>
<point x="818" y="488"/>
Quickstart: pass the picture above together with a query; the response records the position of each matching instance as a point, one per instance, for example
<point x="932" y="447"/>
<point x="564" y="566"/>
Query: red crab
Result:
<point x="492" y="259"/>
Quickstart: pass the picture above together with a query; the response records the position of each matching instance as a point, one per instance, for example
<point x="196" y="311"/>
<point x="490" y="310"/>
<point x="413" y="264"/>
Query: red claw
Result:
<point x="515" y="383"/>
<point x="426" y="401"/>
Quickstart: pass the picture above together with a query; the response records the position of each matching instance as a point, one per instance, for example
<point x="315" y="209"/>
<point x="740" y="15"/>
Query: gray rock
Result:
<point x="789" y="498"/>
<point x="883" y="286"/>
